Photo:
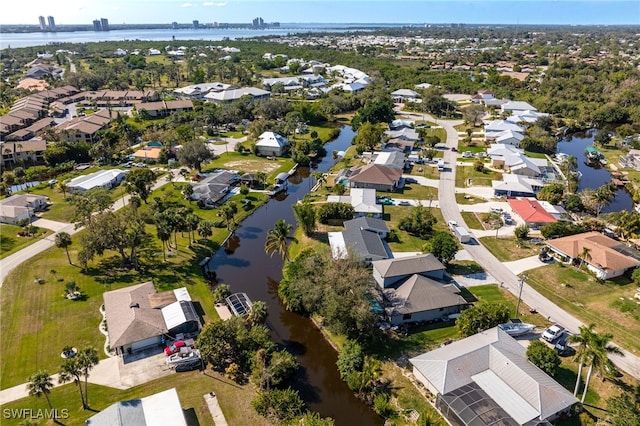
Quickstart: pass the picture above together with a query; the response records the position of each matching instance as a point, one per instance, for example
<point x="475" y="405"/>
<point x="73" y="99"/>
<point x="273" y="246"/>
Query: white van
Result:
<point x="440" y="165"/>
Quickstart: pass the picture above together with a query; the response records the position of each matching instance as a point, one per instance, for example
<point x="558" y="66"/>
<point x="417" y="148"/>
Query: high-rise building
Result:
<point x="52" y="23"/>
<point x="196" y="24"/>
<point x="174" y="25"/>
<point x="43" y="23"/>
<point x="258" y="22"/>
<point x="97" y="26"/>
<point x="104" y="22"/>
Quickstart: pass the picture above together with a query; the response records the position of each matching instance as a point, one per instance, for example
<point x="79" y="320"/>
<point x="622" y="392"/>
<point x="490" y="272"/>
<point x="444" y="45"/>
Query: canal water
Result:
<point x="593" y="177"/>
<point x="245" y="267"/>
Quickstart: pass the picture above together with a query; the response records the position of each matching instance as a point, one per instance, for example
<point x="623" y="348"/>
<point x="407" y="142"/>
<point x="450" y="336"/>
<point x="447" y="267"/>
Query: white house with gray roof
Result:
<point x="362" y="237"/>
<point x="486" y="379"/>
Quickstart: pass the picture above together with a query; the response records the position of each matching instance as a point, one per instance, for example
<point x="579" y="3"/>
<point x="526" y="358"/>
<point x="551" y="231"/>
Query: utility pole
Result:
<point x="521" y="281"/>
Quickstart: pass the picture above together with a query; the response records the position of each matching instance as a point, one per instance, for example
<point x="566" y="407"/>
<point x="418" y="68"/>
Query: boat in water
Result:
<point x="594" y="157"/>
<point x="517" y="328"/>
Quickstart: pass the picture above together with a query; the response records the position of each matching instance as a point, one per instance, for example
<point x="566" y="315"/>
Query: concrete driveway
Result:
<point x="51" y="224"/>
<point x="229" y="145"/>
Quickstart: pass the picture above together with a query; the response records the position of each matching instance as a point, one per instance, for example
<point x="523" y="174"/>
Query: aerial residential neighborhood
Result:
<point x="399" y="225"/>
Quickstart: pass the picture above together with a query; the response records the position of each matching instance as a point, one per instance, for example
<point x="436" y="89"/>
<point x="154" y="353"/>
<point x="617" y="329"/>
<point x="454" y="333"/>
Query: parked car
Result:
<point x="562" y="345"/>
<point x="410" y="180"/>
<point x="467" y="154"/>
<point x="552" y="333"/>
<point x="496" y="210"/>
<point x="174" y="347"/>
<point x="404" y="203"/>
<point x="454" y="149"/>
<point x="189" y="366"/>
<point x="452" y="224"/>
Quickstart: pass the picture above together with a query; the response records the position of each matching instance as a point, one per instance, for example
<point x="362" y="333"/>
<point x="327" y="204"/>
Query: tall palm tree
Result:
<point x="583" y="339"/>
<point x="71" y="371"/>
<point x="163" y="231"/>
<point x="277" y="239"/>
<point x="87" y="359"/>
<point x="40" y="384"/>
<point x="599" y="352"/>
<point x="192" y="221"/>
<point x="63" y="240"/>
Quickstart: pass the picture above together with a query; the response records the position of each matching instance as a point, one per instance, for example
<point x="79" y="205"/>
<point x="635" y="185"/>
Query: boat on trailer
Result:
<point x="517" y="328"/>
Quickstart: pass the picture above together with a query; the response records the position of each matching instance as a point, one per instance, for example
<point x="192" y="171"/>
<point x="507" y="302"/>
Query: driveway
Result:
<point x="51" y="224"/>
<point x="229" y="145"/>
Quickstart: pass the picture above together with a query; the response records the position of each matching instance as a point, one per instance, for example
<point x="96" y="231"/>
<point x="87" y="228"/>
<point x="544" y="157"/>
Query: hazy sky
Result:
<point x="608" y="12"/>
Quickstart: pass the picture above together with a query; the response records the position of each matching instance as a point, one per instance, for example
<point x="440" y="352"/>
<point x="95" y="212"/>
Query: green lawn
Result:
<point x="468" y="199"/>
<point x="532" y="154"/>
<point x="608" y="305"/>
<point x="472" y="220"/>
<point x="10" y="242"/>
<point x="235" y="400"/>
<point x="426" y="170"/>
<point x="406" y="242"/>
<point x="413" y="191"/>
<point x="508" y="249"/>
<point x="483" y="178"/>
<point x="493" y="293"/>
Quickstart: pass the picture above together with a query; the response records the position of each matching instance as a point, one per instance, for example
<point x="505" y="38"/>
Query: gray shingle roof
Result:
<point x="407" y="265"/>
<point x="364" y="243"/>
<point x="419" y="294"/>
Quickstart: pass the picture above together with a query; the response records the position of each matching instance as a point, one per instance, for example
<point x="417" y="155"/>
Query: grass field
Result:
<point x="507" y="249"/>
<point x="608" y="305"/>
<point x="483" y="178"/>
<point x="10" y="242"/>
<point x="235" y="400"/>
<point x="33" y="338"/>
<point x="472" y="220"/>
<point x="249" y="163"/>
<point x="412" y="191"/>
<point x="468" y="199"/>
<point x="405" y="241"/>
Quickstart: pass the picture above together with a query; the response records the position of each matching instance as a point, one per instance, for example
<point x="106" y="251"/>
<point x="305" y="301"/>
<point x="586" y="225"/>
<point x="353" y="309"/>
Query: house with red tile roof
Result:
<point x="531" y="212"/>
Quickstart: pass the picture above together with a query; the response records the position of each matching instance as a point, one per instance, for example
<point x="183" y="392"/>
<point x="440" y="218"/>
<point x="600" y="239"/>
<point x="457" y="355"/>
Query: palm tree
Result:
<point x="191" y="222"/>
<point x="585" y="255"/>
<point x="583" y="339"/>
<point x="258" y="313"/>
<point x="204" y="228"/>
<point x="495" y="219"/>
<point x="40" y="384"/>
<point x="277" y="239"/>
<point x="87" y="359"/>
<point x="599" y="359"/>
<point x="63" y="240"/>
<point x="163" y="231"/>
<point x="71" y="371"/>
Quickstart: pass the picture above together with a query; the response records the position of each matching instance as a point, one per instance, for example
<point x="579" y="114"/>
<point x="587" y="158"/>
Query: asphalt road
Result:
<point x="629" y="363"/>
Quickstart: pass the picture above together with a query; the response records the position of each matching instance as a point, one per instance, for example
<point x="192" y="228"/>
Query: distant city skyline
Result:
<point x="505" y="12"/>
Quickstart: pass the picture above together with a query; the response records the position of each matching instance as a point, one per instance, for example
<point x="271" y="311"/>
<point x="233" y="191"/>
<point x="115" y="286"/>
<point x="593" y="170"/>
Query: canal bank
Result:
<point x="243" y="265"/>
<point x="593" y="177"/>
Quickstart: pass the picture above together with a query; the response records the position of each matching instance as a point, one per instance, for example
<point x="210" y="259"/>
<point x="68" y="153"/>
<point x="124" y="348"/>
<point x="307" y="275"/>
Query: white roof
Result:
<point x="272" y="140"/>
<point x="515" y="405"/>
<point x="338" y="246"/>
<point x="182" y="294"/>
<point x="174" y="314"/>
<point x="96" y="179"/>
<point x="389" y="158"/>
<point x="500" y="126"/>
<point x="407" y="93"/>
<point x="163" y="408"/>
<point x="363" y="200"/>
<point x="501" y="149"/>
<point x="509" y="134"/>
<point x="233" y="94"/>
<point x="518" y="106"/>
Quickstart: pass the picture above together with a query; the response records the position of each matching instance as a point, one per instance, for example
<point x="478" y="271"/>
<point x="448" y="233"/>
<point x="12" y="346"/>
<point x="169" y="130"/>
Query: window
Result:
<point x="406" y="317"/>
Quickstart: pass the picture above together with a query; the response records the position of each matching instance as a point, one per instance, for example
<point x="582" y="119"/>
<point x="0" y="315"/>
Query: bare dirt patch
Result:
<point x="253" y="166"/>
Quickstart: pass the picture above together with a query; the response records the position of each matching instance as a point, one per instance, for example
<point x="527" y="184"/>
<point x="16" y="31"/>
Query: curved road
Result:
<point x="450" y="211"/>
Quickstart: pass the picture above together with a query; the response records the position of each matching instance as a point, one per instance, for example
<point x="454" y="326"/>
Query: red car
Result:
<point x="454" y="149"/>
<point x="174" y="348"/>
